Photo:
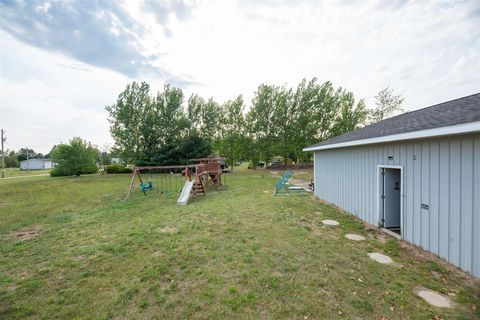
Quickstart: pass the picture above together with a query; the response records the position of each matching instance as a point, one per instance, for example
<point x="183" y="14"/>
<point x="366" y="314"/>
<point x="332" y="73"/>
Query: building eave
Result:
<point x="465" y="128"/>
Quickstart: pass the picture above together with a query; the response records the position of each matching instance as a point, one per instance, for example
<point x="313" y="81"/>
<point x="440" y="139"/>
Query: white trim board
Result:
<point x="429" y="133"/>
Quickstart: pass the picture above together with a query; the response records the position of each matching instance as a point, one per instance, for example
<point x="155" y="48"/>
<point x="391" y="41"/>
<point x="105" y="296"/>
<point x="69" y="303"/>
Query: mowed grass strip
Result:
<point x="17" y="173"/>
<point x="71" y="247"/>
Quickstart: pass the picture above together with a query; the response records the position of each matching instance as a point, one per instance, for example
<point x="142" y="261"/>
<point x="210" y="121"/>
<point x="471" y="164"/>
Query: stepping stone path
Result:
<point x="330" y="222"/>
<point x="435" y="299"/>
<point x="354" y="237"/>
<point x="380" y="258"/>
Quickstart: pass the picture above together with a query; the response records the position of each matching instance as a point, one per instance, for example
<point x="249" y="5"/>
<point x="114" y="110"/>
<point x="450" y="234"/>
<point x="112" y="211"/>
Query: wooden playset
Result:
<point x="213" y="167"/>
<point x="197" y="177"/>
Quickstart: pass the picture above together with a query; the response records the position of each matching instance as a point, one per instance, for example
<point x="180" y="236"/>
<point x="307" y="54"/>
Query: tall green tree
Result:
<point x="232" y="136"/>
<point x="211" y="116"/>
<point x="313" y="114"/>
<point x="262" y="123"/>
<point x="11" y="160"/>
<point x="204" y="117"/>
<point x="387" y="104"/>
<point x="132" y="121"/>
<point x="349" y="114"/>
<point x="24" y="153"/>
<point x="251" y="150"/>
<point x="169" y="121"/>
<point x="141" y="124"/>
<point x="74" y="158"/>
<point x="194" y="113"/>
<point x="283" y="121"/>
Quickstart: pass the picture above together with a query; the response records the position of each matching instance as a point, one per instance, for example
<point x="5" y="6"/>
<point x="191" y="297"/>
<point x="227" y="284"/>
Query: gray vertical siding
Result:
<point x="445" y="174"/>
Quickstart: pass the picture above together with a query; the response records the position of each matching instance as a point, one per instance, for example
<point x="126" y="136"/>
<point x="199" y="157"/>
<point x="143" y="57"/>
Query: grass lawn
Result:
<point x="16" y="172"/>
<point x="72" y="248"/>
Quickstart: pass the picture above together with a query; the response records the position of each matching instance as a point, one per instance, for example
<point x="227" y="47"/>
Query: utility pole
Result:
<point x="3" y="155"/>
<point x="28" y="162"/>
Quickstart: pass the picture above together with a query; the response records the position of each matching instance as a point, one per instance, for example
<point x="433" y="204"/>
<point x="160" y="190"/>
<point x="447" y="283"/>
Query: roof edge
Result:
<point x="31" y="159"/>
<point x="428" y="133"/>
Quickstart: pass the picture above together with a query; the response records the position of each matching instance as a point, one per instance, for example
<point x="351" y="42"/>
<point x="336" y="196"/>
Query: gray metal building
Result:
<point x="417" y="174"/>
<point x="36" y="164"/>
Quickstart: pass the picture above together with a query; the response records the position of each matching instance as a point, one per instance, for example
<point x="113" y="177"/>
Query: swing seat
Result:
<point x="146" y="186"/>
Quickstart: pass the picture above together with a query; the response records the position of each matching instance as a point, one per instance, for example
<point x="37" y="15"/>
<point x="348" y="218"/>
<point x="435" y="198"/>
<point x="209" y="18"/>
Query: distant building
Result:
<point x="115" y="161"/>
<point x="277" y="160"/>
<point x="36" y="164"/>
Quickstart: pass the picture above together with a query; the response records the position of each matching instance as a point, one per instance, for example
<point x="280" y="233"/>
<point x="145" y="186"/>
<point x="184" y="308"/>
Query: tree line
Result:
<point x="166" y="128"/>
<point x="151" y="128"/>
<point x="13" y="158"/>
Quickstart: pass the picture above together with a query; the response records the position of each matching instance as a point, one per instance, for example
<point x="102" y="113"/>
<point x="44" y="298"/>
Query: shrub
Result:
<point x="116" y="168"/>
<point x="58" y="172"/>
<point x="89" y="169"/>
<point x="61" y="171"/>
<point x="74" y="158"/>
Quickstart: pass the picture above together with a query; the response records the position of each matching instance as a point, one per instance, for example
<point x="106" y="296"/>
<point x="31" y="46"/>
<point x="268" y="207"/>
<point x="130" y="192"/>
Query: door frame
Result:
<point x="379" y="196"/>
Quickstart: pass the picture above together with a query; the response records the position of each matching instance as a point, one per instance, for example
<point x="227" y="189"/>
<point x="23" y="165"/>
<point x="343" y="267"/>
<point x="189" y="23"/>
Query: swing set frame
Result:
<point x="138" y="170"/>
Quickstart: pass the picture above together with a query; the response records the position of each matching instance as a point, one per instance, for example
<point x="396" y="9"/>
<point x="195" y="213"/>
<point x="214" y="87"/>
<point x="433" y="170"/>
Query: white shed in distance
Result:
<point x="36" y="164"/>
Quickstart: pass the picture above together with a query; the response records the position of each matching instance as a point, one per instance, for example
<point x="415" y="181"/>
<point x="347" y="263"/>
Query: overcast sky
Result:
<point x="63" y="61"/>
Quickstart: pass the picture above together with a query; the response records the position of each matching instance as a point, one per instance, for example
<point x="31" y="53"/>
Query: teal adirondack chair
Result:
<point x="282" y="187"/>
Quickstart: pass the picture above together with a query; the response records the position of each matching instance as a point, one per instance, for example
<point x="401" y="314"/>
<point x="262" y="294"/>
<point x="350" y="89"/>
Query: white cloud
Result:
<point x="46" y="98"/>
<point x="427" y="51"/>
<point x="231" y="48"/>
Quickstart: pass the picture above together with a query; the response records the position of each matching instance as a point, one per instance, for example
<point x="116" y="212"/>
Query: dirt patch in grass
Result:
<point x="299" y="182"/>
<point x="168" y="230"/>
<point x="306" y="223"/>
<point x="382" y="238"/>
<point x="25" y="234"/>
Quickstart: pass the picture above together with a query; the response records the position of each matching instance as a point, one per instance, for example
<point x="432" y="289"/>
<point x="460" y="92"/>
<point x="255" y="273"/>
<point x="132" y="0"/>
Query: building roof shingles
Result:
<point x="450" y="113"/>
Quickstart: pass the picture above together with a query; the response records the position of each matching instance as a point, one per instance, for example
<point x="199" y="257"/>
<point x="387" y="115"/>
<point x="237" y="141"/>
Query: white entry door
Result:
<point x="391" y="197"/>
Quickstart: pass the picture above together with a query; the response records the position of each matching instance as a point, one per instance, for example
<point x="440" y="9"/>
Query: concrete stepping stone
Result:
<point x="435" y="299"/>
<point x="354" y="237"/>
<point x="330" y="222"/>
<point x="380" y="258"/>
